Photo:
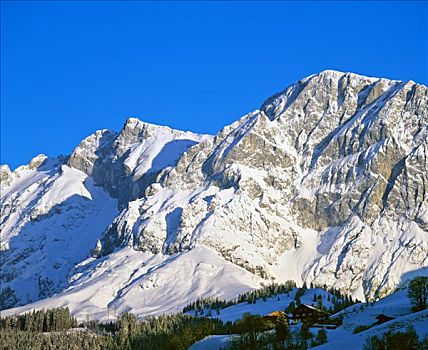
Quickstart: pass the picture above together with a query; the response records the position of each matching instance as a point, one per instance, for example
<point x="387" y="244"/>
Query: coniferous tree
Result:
<point x="282" y="330"/>
<point x="418" y="292"/>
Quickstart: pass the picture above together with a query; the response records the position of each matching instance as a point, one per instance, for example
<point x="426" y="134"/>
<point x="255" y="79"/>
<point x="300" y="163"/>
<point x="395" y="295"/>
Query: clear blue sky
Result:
<point x="70" y="68"/>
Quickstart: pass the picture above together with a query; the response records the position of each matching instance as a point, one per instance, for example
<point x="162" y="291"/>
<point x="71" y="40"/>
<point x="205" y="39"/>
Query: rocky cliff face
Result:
<point x="326" y="183"/>
<point x="340" y="154"/>
<point x="126" y="163"/>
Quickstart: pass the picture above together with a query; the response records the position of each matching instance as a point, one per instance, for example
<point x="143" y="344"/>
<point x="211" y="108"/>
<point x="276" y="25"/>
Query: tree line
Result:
<point x="56" y="329"/>
<point x="250" y="297"/>
<point x="212" y="306"/>
<point x="38" y="321"/>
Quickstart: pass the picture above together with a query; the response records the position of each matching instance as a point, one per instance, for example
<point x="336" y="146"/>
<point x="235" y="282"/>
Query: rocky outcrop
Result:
<point x="126" y="163"/>
<point x="5" y="176"/>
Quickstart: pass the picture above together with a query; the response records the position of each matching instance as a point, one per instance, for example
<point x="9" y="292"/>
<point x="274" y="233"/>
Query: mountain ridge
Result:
<point x="326" y="183"/>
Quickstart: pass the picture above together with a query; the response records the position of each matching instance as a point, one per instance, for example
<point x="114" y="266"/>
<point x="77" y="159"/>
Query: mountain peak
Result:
<point x="136" y="123"/>
<point x="331" y="89"/>
<point x="336" y="74"/>
<point x="133" y="122"/>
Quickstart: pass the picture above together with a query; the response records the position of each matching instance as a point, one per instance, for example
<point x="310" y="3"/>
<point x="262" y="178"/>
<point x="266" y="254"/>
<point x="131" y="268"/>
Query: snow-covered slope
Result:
<point x="53" y="211"/>
<point x="51" y="219"/>
<point x="326" y="183"/>
<point x="419" y="321"/>
<point x="396" y="305"/>
<point x="271" y="304"/>
<point x="146" y="284"/>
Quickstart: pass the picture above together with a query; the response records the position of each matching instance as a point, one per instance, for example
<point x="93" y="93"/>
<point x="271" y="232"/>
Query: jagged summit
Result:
<point x="325" y="183"/>
<point x="335" y="85"/>
<point x="125" y="163"/>
<point x="336" y="74"/>
<point x="134" y="122"/>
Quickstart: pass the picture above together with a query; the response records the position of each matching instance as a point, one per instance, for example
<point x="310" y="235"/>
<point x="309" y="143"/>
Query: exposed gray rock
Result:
<point x="126" y="163"/>
<point x="326" y="183"/>
<point x="335" y="150"/>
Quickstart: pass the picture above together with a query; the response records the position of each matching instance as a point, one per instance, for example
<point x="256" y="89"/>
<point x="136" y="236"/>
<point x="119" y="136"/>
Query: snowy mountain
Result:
<point x="326" y="183"/>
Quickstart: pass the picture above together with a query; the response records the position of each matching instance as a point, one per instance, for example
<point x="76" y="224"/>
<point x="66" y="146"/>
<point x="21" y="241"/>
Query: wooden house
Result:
<point x="274" y="315"/>
<point x="383" y="318"/>
<point x="307" y="313"/>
